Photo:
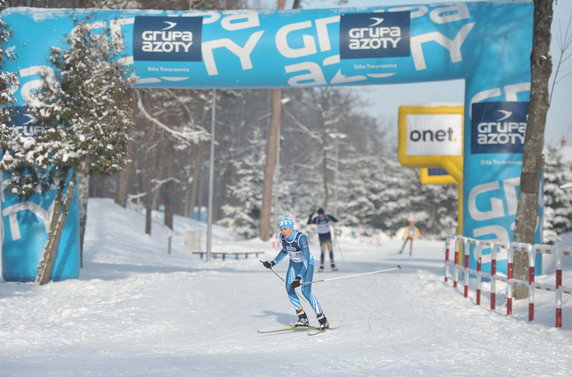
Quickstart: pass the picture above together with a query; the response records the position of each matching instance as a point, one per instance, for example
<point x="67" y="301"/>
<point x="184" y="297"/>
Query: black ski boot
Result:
<point x="323" y="322"/>
<point x="302" y="318"/>
<point x="334" y="268"/>
<point x="321" y="268"/>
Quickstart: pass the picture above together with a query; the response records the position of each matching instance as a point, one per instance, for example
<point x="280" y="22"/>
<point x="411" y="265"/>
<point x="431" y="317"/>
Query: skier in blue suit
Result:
<point x="301" y="269"/>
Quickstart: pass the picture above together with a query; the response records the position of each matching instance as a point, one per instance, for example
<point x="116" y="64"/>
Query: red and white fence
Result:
<point x="499" y="251"/>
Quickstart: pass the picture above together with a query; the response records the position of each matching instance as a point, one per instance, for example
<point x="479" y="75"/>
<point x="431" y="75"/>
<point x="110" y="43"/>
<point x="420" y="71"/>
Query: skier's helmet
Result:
<point x="286" y="222"/>
<point x="320" y="211"/>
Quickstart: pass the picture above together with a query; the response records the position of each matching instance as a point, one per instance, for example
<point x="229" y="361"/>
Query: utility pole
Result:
<point x="211" y="179"/>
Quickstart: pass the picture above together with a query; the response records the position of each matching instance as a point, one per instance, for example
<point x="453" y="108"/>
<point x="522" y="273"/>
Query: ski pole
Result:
<point x="275" y="273"/>
<point x="338" y="244"/>
<point x="354" y="275"/>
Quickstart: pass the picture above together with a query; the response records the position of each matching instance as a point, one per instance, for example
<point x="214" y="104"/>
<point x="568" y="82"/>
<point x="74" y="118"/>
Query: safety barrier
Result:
<point x="453" y="270"/>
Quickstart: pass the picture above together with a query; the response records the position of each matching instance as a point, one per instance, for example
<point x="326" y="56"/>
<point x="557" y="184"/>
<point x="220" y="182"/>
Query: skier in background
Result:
<point x="300" y="269"/>
<point x="325" y="236"/>
<point x="409" y="234"/>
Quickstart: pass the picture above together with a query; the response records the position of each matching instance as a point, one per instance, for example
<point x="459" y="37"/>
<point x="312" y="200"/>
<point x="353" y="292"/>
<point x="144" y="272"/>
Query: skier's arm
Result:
<point x="310" y="219"/>
<point x="332" y="218"/>
<point x="303" y="243"/>
<point x="281" y="254"/>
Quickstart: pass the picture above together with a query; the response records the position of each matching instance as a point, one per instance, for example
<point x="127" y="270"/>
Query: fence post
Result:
<point x="447" y="245"/>
<point x="466" y="250"/>
<point x="455" y="268"/>
<point x="509" y="283"/>
<point x="531" y="290"/>
<point x="558" y="287"/>
<point x="493" y="276"/>
<point x="478" y="248"/>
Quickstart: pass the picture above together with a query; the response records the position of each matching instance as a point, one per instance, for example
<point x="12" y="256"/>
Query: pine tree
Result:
<point x="557" y="202"/>
<point x="87" y="122"/>
<point x="6" y="79"/>
<point x="243" y="216"/>
<point x="361" y="200"/>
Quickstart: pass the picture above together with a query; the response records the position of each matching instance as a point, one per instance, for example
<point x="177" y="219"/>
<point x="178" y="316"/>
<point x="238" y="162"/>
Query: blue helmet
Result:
<point x="286" y="222"/>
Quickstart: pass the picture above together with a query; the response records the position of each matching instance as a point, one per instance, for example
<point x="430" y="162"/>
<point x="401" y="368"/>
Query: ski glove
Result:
<point x="296" y="283"/>
<point x="268" y="264"/>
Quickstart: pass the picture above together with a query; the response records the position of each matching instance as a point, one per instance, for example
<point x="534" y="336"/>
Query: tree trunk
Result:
<point x="169" y="186"/>
<point x="56" y="227"/>
<point x="271" y="157"/>
<point x="42" y="267"/>
<point x="124" y="178"/>
<point x="200" y="197"/>
<point x="149" y="198"/>
<point x="83" y="199"/>
<point x="324" y="156"/>
<point x="533" y="159"/>
<point x="264" y="228"/>
<point x="195" y="185"/>
<point x="197" y="168"/>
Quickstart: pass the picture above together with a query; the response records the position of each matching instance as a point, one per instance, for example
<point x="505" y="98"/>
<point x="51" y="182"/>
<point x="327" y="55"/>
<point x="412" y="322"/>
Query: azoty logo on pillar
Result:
<point x="498" y="127"/>
<point x="167" y="38"/>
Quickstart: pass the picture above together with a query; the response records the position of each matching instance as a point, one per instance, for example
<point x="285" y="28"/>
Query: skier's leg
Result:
<point x="307" y="289"/>
<point x="322" y="255"/>
<point x="411" y="247"/>
<point x="331" y="247"/>
<point x="307" y="292"/>
<point x="403" y="246"/>
<point x="290" y="276"/>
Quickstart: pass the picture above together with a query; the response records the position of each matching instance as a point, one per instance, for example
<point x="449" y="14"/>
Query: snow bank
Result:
<point x="138" y="311"/>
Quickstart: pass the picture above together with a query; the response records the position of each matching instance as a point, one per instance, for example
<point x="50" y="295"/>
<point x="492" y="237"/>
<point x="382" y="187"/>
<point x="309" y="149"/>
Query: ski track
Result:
<point x="137" y="311"/>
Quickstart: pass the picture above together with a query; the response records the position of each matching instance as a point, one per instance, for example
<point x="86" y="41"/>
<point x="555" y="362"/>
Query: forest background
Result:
<point x="332" y="154"/>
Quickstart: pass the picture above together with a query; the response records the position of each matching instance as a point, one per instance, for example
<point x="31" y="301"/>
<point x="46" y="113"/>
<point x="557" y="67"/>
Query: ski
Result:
<point x="318" y="331"/>
<point x="291" y="328"/>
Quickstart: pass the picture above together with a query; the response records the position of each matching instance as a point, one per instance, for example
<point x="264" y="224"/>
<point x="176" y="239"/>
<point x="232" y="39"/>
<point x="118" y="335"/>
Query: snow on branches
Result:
<point x="85" y="113"/>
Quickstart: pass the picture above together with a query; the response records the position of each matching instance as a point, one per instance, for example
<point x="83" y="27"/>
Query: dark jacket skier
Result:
<point x="325" y="236"/>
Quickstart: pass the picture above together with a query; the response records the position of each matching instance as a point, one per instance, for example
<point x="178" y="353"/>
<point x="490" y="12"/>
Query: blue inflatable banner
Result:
<point x="487" y="44"/>
<point x="24" y="224"/>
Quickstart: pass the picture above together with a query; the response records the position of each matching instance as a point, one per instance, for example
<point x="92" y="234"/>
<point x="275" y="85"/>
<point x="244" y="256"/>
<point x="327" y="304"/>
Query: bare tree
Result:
<point x="564" y="39"/>
<point x="271" y="156"/>
<point x="124" y="178"/>
<point x="533" y="158"/>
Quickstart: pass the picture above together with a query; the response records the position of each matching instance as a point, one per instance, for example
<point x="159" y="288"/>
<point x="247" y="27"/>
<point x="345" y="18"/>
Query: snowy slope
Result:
<point x="138" y="311"/>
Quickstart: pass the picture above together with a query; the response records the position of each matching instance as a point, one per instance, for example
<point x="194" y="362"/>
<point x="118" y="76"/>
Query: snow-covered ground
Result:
<point x="139" y="311"/>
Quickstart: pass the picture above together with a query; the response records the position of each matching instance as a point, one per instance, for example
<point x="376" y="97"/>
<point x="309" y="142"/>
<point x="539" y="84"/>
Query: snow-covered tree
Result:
<point x="6" y="79"/>
<point x="243" y="214"/>
<point x="362" y="203"/>
<point x="557" y="202"/>
<point x="86" y="115"/>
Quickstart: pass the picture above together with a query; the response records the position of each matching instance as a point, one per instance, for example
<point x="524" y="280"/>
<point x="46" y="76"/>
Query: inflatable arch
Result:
<point x="487" y="44"/>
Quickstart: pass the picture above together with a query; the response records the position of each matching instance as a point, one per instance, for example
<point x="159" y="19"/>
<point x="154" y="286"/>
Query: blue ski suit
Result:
<point x="301" y="265"/>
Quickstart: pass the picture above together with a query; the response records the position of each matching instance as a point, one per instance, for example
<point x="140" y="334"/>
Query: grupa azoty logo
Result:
<point x="167" y="38"/>
<point x="375" y="36"/>
<point x="366" y="35"/>
<point x="499" y="127"/>
<point x="24" y="122"/>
